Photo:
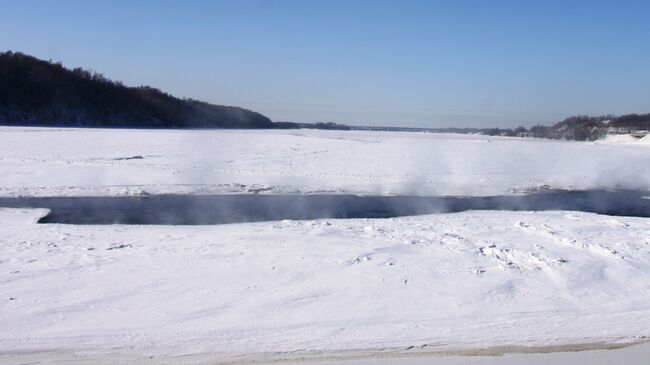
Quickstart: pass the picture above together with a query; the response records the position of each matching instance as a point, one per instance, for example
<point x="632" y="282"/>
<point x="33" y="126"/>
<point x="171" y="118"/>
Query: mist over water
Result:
<point x="221" y="209"/>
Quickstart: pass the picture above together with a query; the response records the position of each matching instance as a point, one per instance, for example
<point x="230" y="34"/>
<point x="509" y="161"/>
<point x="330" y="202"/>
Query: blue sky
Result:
<point x="403" y="63"/>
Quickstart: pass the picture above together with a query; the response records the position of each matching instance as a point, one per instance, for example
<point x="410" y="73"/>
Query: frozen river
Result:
<point x="336" y="263"/>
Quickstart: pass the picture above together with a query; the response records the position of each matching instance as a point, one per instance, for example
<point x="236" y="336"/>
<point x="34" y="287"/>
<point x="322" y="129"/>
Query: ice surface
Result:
<point x="448" y="281"/>
<point x="457" y="280"/>
<point x="56" y="162"/>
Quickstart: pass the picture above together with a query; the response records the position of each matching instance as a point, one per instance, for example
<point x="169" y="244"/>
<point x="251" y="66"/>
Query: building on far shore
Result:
<point x="637" y="133"/>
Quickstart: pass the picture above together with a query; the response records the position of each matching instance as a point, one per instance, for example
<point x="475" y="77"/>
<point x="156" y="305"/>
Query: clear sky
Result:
<point x="404" y="63"/>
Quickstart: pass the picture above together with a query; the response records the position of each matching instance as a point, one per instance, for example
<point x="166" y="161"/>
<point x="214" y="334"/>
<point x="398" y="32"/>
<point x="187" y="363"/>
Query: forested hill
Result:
<point x="37" y="92"/>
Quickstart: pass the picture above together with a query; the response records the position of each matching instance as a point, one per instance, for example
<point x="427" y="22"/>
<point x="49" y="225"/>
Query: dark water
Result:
<point x="219" y="209"/>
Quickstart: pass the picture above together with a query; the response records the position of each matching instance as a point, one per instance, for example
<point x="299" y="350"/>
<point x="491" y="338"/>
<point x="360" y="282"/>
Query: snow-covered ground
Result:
<point x="240" y="292"/>
<point x="445" y="281"/>
<point x="49" y="162"/>
<point x="626" y="138"/>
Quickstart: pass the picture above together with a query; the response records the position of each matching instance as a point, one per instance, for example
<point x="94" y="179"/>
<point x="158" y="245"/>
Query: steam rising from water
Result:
<point x="219" y="209"/>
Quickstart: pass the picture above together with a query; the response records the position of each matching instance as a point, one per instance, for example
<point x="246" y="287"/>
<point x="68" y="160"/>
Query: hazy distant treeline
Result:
<point x="581" y="128"/>
<point x="37" y="92"/>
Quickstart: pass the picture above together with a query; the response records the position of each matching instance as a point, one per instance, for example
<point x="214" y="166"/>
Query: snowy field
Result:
<point x="55" y="162"/>
<point x="292" y="289"/>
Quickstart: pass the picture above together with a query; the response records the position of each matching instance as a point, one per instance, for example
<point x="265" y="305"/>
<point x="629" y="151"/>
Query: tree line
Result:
<point x="580" y="128"/>
<point x="39" y="92"/>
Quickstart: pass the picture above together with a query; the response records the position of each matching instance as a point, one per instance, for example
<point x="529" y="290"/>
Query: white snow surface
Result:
<point x="448" y="281"/>
<point x="625" y="138"/>
<point x="58" y="162"/>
